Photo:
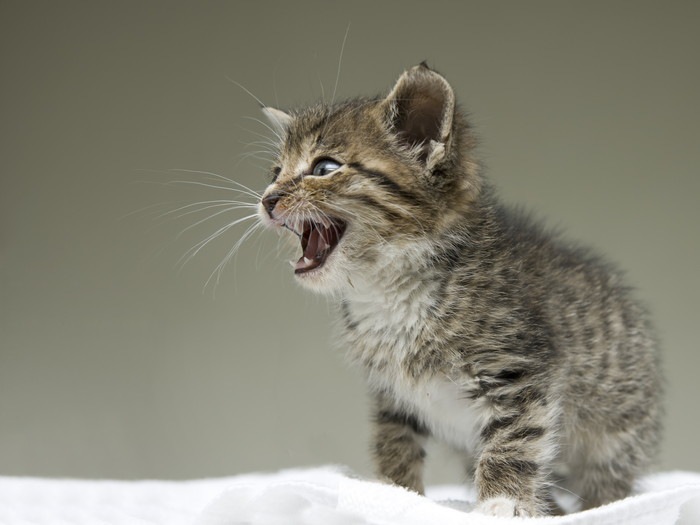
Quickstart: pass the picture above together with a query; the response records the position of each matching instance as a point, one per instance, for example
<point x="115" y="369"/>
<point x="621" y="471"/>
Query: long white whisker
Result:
<point x="205" y="205"/>
<point x="142" y="210"/>
<point x="272" y="142"/>
<point x="563" y="489"/>
<point x="274" y="132"/>
<point x="247" y="91"/>
<point x="323" y="91"/>
<point x="257" y="152"/>
<point x="222" y="265"/>
<point x="274" y="82"/>
<point x="263" y="143"/>
<point x="256" y="157"/>
<point x="198" y="172"/>
<point x="213" y="186"/>
<point x="340" y="62"/>
<point x="208" y="218"/>
<point x="192" y="252"/>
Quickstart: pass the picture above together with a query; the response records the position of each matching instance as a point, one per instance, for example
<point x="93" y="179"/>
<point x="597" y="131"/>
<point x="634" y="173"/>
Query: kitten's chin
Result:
<point x="324" y="279"/>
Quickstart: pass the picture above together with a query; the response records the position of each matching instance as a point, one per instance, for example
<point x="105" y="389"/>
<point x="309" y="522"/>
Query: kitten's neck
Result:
<point x="393" y="274"/>
<point x="401" y="273"/>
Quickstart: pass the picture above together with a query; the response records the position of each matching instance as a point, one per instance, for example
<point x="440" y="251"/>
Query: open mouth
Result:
<point x="318" y="240"/>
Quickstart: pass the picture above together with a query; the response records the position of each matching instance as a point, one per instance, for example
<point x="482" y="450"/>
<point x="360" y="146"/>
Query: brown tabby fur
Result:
<point x="471" y="323"/>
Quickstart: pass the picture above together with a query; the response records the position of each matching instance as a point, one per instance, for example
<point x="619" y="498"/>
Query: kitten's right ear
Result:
<point x="279" y="120"/>
<point x="420" y="110"/>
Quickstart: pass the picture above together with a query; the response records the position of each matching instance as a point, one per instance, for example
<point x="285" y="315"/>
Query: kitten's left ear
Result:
<point x="279" y="120"/>
<point x="420" y="109"/>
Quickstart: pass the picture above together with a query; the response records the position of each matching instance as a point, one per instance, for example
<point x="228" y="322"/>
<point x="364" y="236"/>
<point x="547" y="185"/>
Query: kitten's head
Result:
<point x="370" y="181"/>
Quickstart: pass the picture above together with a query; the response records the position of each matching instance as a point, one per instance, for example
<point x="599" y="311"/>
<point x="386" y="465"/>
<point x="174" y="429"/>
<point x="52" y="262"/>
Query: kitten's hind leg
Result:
<point x="603" y="483"/>
<point x="607" y="467"/>
<point x="606" y="475"/>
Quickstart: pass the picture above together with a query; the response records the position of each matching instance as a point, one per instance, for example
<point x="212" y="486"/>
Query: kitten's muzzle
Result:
<point x="318" y="237"/>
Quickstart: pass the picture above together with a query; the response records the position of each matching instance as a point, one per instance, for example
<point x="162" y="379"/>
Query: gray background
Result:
<point x="116" y="363"/>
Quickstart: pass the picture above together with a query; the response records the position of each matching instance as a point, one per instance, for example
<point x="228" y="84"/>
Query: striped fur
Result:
<point x="471" y="322"/>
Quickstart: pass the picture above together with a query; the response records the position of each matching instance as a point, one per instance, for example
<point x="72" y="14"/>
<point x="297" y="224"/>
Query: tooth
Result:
<point x="307" y="261"/>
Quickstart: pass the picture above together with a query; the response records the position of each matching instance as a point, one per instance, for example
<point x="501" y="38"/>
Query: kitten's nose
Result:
<point x="270" y="202"/>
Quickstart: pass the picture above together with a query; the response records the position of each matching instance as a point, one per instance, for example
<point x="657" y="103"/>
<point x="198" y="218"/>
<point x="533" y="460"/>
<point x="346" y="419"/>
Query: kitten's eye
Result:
<point x="325" y="166"/>
<point x="275" y="173"/>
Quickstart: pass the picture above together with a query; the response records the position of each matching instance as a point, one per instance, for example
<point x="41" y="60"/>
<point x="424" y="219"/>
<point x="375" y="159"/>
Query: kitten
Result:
<point x="472" y="324"/>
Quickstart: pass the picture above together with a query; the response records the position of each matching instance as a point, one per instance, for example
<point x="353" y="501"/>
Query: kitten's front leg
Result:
<point x="512" y="469"/>
<point x="398" y="447"/>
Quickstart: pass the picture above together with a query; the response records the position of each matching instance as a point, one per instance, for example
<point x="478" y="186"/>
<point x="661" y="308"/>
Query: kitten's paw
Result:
<point x="502" y="507"/>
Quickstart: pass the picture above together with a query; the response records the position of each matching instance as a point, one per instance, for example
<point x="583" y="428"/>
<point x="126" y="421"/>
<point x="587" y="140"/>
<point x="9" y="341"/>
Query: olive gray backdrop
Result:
<point x="121" y="358"/>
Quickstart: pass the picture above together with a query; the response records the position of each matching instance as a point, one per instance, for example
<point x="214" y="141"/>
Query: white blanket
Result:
<point x="320" y="496"/>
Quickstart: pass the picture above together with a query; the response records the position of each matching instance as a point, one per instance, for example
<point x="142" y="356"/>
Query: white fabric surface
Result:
<point x="320" y="496"/>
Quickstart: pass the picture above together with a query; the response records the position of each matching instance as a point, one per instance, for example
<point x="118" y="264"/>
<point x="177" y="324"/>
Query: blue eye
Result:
<point x="325" y="166"/>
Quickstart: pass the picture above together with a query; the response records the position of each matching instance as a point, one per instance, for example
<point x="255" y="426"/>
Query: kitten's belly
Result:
<point x="444" y="409"/>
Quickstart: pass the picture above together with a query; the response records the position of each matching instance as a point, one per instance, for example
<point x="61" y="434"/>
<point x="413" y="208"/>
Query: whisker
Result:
<point x="216" y="175"/>
<point x="323" y="91"/>
<point x="194" y="250"/>
<point x="257" y="152"/>
<point x="213" y="186"/>
<point x="206" y="219"/>
<point x="263" y="143"/>
<point x="238" y="206"/>
<point x="276" y="145"/>
<point x="274" y="132"/>
<point x="142" y="210"/>
<point x="246" y="90"/>
<point x="257" y="156"/>
<point x="274" y="81"/>
<point x="563" y="489"/>
<point x="206" y="205"/>
<point x="271" y="146"/>
<point x="340" y="62"/>
<point x="222" y="265"/>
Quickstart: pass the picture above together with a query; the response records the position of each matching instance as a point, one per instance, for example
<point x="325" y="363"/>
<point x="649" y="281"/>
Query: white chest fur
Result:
<point x="389" y="332"/>
<point x="439" y="402"/>
<point x="443" y="408"/>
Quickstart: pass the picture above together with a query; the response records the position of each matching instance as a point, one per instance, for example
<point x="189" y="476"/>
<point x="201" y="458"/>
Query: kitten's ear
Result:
<point x="279" y="120"/>
<point x="420" y="110"/>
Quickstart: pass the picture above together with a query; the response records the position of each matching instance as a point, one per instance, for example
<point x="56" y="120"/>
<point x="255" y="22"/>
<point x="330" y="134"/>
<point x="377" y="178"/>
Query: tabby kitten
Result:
<point x="471" y="323"/>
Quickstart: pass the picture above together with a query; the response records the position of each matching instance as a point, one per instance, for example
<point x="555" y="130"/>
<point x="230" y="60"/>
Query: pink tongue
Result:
<point x="315" y="250"/>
